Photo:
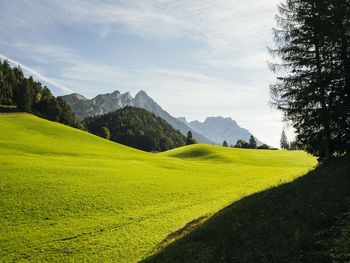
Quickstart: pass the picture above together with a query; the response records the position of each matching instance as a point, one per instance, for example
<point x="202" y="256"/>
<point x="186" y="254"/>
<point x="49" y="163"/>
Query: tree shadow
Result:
<point x="289" y="223"/>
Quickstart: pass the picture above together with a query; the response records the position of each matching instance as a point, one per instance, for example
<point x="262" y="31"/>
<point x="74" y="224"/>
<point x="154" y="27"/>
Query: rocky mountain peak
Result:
<point x="126" y="95"/>
<point x="141" y="93"/>
<point x="109" y="102"/>
<point x="144" y="101"/>
<point x="219" y="129"/>
<point x="218" y="118"/>
<point x="116" y="94"/>
<point x="221" y="121"/>
<point x="79" y="97"/>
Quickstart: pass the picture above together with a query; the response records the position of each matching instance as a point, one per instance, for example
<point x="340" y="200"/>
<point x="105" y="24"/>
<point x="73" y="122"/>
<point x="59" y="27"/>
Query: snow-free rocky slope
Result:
<point x="218" y="129"/>
<point x="105" y="103"/>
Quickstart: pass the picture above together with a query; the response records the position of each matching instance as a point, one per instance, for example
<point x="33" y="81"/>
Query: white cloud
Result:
<point x="38" y="75"/>
<point x="230" y="30"/>
<point x="69" y="67"/>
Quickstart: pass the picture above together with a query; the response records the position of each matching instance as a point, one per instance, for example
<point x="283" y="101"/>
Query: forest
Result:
<point x="137" y="128"/>
<point x="18" y="93"/>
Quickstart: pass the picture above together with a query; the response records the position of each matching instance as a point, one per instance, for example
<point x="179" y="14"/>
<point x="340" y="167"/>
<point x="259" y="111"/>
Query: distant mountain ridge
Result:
<point x="105" y="103"/>
<point x="219" y="129"/>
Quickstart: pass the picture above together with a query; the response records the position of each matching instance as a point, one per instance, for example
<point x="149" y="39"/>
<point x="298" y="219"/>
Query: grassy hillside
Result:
<point x="307" y="220"/>
<point x="67" y="195"/>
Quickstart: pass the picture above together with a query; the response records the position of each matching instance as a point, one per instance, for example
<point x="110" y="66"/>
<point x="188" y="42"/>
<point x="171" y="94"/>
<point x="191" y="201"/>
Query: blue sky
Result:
<point x="196" y="58"/>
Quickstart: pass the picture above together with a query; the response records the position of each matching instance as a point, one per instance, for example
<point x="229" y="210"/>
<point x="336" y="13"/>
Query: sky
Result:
<point x="195" y="58"/>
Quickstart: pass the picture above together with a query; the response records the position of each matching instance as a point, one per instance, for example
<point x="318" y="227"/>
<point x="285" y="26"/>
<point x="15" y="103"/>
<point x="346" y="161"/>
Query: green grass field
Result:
<point x="306" y="220"/>
<point x="67" y="195"/>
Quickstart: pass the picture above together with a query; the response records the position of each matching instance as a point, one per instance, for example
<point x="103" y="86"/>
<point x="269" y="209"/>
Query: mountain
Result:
<point x="105" y="103"/>
<point x="137" y="128"/>
<point x="219" y="129"/>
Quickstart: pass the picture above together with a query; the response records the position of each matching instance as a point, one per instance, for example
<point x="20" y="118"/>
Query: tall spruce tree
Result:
<point x="25" y="98"/>
<point x="189" y="139"/>
<point x="284" y="141"/>
<point x="252" y="142"/>
<point x="311" y="85"/>
<point x="5" y="91"/>
<point x="340" y="28"/>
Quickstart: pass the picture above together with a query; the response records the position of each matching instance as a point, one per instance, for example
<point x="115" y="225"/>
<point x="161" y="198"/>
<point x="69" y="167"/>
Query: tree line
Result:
<point x="289" y="145"/>
<point x="312" y="42"/>
<point x="252" y="144"/>
<point x="189" y="139"/>
<point x="137" y="128"/>
<point x="27" y="95"/>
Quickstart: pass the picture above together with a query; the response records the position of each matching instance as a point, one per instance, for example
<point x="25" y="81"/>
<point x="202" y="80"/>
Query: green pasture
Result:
<point x="67" y="195"/>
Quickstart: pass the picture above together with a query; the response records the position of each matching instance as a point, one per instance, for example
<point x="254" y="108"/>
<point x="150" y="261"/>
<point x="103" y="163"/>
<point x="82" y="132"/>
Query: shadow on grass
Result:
<point x="307" y="220"/>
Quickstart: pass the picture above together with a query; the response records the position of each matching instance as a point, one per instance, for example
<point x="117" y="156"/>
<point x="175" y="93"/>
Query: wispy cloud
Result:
<point x="230" y="30"/>
<point x="38" y="75"/>
<point x="68" y="67"/>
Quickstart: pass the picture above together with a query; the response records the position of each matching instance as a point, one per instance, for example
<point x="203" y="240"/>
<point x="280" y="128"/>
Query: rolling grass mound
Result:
<point x="25" y="134"/>
<point x="67" y="195"/>
<point x="307" y="220"/>
<point x="205" y="152"/>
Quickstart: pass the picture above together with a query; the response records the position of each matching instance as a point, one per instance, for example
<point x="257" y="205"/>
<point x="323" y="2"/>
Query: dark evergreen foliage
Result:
<point x="137" y="128"/>
<point x="294" y="145"/>
<point x="189" y="139"/>
<point x="242" y="144"/>
<point x="313" y="86"/>
<point x="284" y="141"/>
<point x="252" y="142"/>
<point x="105" y="133"/>
<point x="29" y="96"/>
<point x="247" y="145"/>
<point x="224" y="144"/>
<point x="263" y="147"/>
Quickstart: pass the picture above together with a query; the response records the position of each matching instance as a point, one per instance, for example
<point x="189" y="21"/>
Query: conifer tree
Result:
<point x="189" y="139"/>
<point x="340" y="27"/>
<point x="252" y="142"/>
<point x="5" y="91"/>
<point x="312" y="88"/>
<point x="241" y="144"/>
<point x="284" y="141"/>
<point x="24" y="102"/>
<point x="105" y="133"/>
